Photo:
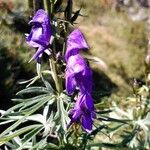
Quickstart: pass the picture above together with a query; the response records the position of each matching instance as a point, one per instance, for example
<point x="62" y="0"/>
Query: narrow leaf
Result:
<point x="35" y="108"/>
<point x="68" y="10"/>
<point x="16" y="133"/>
<point x="29" y="136"/>
<point x="75" y="16"/>
<point x="33" y="90"/>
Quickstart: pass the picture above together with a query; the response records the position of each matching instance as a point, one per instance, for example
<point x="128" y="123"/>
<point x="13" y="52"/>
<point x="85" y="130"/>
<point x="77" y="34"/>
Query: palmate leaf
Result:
<point x="48" y="98"/>
<point x="61" y="114"/>
<point x="6" y="138"/>
<point x="26" y="103"/>
<point x="27" y="113"/>
<point x="28" y="106"/>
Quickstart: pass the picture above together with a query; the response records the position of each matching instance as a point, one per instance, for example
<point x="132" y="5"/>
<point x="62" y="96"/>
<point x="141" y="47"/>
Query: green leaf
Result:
<point x="28" y="113"/>
<point x="65" y="97"/>
<point x="33" y="81"/>
<point x="40" y="145"/>
<point x="75" y="16"/>
<point x="26" y="81"/>
<point x="6" y="138"/>
<point x="114" y="128"/>
<point x="94" y="132"/>
<point x="52" y="146"/>
<point x="105" y="118"/>
<point x="12" y="146"/>
<point x="29" y="99"/>
<point x="57" y="5"/>
<point x="103" y="111"/>
<point x="68" y="10"/>
<point x="13" y="108"/>
<point x="38" y="69"/>
<point x="29" y="136"/>
<point x="62" y="115"/>
<point x="48" y="85"/>
<point x="38" y="105"/>
<point x="33" y="90"/>
<point x="5" y="122"/>
<point x="26" y="103"/>
<point x="32" y="103"/>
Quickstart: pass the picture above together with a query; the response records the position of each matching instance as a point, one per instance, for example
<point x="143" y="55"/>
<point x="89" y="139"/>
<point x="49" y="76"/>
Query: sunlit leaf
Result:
<point x="33" y="90"/>
<point x="6" y="138"/>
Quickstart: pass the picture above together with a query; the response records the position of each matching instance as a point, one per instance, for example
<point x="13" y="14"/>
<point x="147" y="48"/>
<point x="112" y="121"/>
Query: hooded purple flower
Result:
<point x="78" y="74"/>
<point x="76" y="41"/>
<point x="83" y="112"/>
<point x="40" y="34"/>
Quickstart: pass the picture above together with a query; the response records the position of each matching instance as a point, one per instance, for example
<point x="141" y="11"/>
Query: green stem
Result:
<point x="57" y="79"/>
<point x="47" y="6"/>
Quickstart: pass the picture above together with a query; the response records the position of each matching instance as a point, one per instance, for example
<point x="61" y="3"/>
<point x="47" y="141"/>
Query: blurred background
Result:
<point x="116" y="30"/>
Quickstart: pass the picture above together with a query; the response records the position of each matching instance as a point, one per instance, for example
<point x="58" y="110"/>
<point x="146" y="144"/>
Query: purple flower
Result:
<point x="40" y="34"/>
<point x="83" y="112"/>
<point x="76" y="41"/>
<point x="78" y="74"/>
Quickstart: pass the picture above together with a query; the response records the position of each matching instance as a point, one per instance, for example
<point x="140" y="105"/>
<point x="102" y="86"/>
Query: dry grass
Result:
<point x="118" y="40"/>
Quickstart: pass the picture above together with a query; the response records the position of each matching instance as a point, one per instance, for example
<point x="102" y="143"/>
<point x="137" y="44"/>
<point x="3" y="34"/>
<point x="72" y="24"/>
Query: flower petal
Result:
<point x="40" y="34"/>
<point x="38" y="53"/>
<point x="70" y="83"/>
<point x="86" y="123"/>
<point x="75" y="42"/>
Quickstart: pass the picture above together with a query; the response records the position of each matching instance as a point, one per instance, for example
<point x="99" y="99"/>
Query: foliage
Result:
<point x="39" y="119"/>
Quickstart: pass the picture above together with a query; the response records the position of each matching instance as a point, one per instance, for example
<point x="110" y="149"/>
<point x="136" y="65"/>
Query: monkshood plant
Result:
<point x="60" y="113"/>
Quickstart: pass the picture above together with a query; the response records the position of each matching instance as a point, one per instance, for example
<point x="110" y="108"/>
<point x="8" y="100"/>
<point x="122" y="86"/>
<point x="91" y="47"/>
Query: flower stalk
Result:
<point x="46" y="6"/>
<point x="55" y="73"/>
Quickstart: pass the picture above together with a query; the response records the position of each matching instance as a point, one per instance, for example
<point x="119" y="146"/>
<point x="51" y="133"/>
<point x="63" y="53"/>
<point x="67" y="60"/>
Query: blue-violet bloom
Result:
<point x="75" y="42"/>
<point x="83" y="112"/>
<point x="78" y="74"/>
<point x="40" y="34"/>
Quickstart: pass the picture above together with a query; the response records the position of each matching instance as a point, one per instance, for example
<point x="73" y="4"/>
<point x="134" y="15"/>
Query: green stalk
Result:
<point x="56" y="78"/>
<point x="47" y="6"/>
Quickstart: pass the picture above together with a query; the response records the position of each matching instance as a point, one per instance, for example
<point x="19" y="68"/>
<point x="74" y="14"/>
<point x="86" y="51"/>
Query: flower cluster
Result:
<point x="40" y="34"/>
<point x="79" y="75"/>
